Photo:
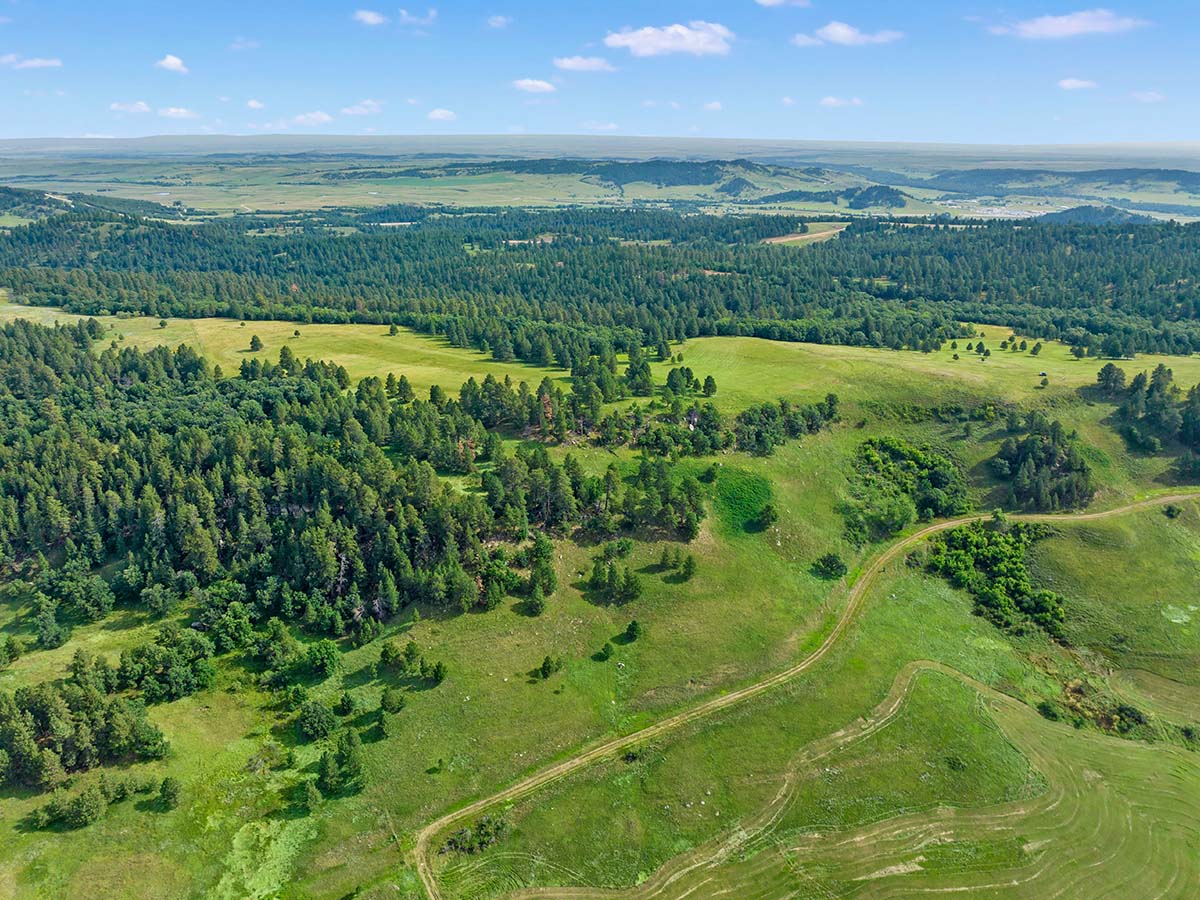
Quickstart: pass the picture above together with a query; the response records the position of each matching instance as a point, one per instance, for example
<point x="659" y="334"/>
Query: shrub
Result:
<point x="316" y="721"/>
<point x="393" y="700"/>
<point x="170" y="792"/>
<point x="830" y="566"/>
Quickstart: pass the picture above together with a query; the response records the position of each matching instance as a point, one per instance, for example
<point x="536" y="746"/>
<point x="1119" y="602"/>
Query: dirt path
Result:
<point x="854" y="601"/>
<point x="809" y="237"/>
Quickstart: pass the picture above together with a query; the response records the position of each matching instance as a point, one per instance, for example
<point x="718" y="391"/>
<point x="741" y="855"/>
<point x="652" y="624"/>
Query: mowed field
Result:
<point x="914" y="739"/>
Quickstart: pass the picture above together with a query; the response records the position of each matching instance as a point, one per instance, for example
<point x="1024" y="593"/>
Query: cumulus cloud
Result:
<point x="784" y="2"/>
<point x="1148" y="96"/>
<point x="699" y="38"/>
<point x="178" y="112"/>
<point x="412" y="20"/>
<point x="835" y="102"/>
<point x="599" y="126"/>
<point x="255" y="104"/>
<point x="499" y="21"/>
<point x="172" y="63"/>
<point x="583" y="64"/>
<point x="1076" y="84"/>
<point x="242" y="43"/>
<point x="713" y="106"/>
<point x="310" y="119"/>
<point x="442" y="115"/>
<point x="845" y="36"/>
<point x="787" y="101"/>
<point x="533" y="86"/>
<point x="363" y="108"/>
<point x="136" y="106"/>
<point x="16" y="61"/>
<point x="369" y="17"/>
<point x="1087" y="21"/>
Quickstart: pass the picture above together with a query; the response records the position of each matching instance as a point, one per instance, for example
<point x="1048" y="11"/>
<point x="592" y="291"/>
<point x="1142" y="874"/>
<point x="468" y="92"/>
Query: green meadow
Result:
<point x="911" y="758"/>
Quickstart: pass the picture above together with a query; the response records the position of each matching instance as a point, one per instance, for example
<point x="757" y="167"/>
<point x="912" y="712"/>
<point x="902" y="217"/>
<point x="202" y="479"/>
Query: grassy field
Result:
<point x="362" y="349"/>
<point x="276" y="184"/>
<point x="909" y="762"/>
<point x="753" y="608"/>
<point x="1144" y="615"/>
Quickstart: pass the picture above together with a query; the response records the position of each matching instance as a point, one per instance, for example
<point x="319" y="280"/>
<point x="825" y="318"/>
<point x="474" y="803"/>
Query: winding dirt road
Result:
<point x="854" y="601"/>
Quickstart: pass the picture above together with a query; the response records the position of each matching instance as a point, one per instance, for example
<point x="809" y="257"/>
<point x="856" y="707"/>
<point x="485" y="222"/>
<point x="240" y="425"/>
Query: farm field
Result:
<point x="698" y="644"/>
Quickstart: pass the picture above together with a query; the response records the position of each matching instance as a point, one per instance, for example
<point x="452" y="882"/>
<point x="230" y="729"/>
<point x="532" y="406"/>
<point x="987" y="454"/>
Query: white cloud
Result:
<point x="172" y="63"/>
<point x="407" y="18"/>
<point x="136" y="106"/>
<point x="583" y="64"/>
<point x="310" y="119"/>
<point x="15" y="61"/>
<point x="441" y="115"/>
<point x="1076" y="84"/>
<point x="533" y="86"/>
<point x="363" y="108"/>
<point x="846" y="36"/>
<point x="242" y="43"/>
<point x="835" y="102"/>
<point x="784" y="2"/>
<point x="499" y="21"/>
<point x="1088" y="21"/>
<point x="599" y="126"/>
<point x="178" y="112"/>
<point x="698" y="38"/>
<point x="255" y="104"/>
<point x="787" y="101"/>
<point x="1148" y="96"/>
<point x="369" y="17"/>
<point x="713" y="106"/>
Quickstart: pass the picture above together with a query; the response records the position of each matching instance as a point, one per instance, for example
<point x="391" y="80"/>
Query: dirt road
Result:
<point x="854" y="601"/>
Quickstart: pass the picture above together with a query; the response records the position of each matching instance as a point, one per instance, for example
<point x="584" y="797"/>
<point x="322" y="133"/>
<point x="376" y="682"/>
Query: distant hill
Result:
<point x="1096" y="215"/>
<point x="29" y="204"/>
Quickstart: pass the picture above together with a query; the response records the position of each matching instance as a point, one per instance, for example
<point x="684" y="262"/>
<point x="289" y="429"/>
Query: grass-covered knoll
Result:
<point x="1129" y="590"/>
<point x="659" y="806"/>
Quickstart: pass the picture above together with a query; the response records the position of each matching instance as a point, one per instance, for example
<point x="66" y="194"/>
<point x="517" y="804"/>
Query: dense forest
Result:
<point x="286" y="501"/>
<point x="562" y="285"/>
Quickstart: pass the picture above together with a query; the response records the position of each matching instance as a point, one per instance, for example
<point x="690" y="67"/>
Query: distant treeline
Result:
<point x="579" y="281"/>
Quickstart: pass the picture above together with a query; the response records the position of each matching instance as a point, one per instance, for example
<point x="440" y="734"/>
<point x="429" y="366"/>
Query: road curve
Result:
<point x="854" y="601"/>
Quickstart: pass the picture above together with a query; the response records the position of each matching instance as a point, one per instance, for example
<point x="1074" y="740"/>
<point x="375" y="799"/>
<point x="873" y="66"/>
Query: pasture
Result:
<point x="804" y="779"/>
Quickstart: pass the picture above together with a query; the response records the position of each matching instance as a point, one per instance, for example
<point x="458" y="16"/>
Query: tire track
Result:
<point x="854" y="602"/>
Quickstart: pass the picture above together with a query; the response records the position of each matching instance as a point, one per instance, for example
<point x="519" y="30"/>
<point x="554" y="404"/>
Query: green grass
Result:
<point x="362" y="349"/>
<point x="1142" y="614"/>
<point x="752" y="609"/>
<point x="811" y="795"/>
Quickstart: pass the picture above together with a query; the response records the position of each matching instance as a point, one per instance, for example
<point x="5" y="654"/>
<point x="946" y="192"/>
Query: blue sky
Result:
<point x="938" y="70"/>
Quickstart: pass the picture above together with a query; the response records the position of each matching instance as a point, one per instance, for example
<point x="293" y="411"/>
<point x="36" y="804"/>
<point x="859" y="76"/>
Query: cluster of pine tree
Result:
<point x="1154" y="409"/>
<point x="1045" y="469"/>
<point x="50" y="730"/>
<point x="250" y="509"/>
